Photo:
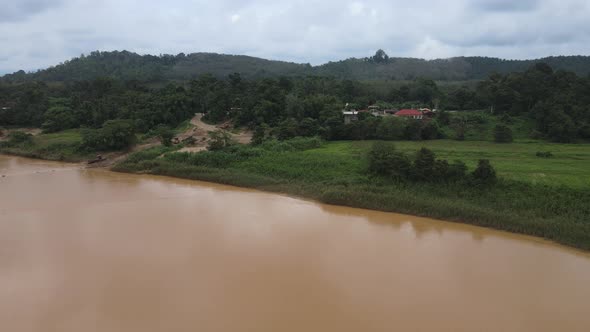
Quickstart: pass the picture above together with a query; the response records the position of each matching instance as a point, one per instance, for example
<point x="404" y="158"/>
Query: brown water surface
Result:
<point x="90" y="250"/>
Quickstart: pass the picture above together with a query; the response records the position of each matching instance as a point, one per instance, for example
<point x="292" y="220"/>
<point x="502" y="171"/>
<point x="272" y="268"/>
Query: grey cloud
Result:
<point x="21" y="9"/>
<point x="505" y="5"/>
<point x="40" y="33"/>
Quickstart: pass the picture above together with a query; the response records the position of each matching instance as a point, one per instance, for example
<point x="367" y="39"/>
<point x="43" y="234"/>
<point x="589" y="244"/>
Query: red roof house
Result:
<point x="414" y="114"/>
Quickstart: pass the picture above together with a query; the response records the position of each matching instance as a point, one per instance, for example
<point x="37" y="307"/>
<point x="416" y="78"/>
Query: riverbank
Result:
<point x="547" y="198"/>
<point x="335" y="173"/>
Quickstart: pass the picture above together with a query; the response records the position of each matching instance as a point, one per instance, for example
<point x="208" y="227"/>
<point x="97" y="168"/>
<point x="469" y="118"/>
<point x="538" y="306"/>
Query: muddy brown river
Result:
<point x="92" y="250"/>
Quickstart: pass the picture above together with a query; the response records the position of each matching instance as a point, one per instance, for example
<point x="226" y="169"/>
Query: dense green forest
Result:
<point x="182" y="67"/>
<point x="555" y="101"/>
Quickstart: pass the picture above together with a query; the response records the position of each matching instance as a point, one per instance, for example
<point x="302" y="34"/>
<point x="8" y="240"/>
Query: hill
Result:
<point x="149" y="68"/>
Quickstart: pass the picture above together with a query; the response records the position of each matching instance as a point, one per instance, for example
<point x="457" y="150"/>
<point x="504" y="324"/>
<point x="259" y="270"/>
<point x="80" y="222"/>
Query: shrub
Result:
<point x="259" y="134"/>
<point x="502" y="134"/>
<point x="430" y="130"/>
<point x="385" y="160"/>
<point x="440" y="171"/>
<point x="19" y="137"/>
<point x="114" y="135"/>
<point x="423" y="166"/>
<point x="165" y="134"/>
<point x="484" y="173"/>
<point x="219" y="139"/>
<point x="457" y="170"/>
<point x="546" y="154"/>
<point x="294" y="144"/>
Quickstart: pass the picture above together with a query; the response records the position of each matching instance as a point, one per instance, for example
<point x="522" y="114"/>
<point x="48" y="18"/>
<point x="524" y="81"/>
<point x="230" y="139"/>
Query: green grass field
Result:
<point x="569" y="166"/>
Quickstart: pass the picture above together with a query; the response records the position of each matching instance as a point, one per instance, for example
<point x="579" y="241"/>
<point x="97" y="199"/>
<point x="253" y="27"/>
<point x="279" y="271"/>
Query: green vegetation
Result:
<point x="482" y="158"/>
<point x="539" y="103"/>
<point x="517" y="161"/>
<point x="62" y="146"/>
<point x="113" y="135"/>
<point x="342" y="173"/>
<point x="126" y="65"/>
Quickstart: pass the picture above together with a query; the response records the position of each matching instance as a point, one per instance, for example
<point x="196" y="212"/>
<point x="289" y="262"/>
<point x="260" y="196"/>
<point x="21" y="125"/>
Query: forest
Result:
<point x="124" y="65"/>
<point x="554" y="101"/>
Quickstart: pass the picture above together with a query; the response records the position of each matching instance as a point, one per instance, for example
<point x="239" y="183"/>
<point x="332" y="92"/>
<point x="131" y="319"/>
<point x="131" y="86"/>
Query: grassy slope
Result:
<point x="556" y="208"/>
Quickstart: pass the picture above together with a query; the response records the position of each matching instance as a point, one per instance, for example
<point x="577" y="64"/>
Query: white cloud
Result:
<point x="235" y="18"/>
<point x="356" y="8"/>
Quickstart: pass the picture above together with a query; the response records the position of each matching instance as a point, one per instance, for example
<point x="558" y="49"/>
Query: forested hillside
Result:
<point x="126" y="65"/>
<point x="554" y="101"/>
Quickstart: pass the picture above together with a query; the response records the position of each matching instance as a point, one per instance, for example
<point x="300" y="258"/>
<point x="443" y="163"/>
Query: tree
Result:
<point x="380" y="57"/>
<point x="165" y="134"/>
<point x="413" y="130"/>
<point x="19" y="137"/>
<point x="59" y="118"/>
<point x="457" y="170"/>
<point x="287" y="129"/>
<point x="484" y="173"/>
<point x="386" y="161"/>
<point x="114" y="135"/>
<point x="219" y="139"/>
<point x="502" y="134"/>
<point x="390" y="128"/>
<point x="430" y="130"/>
<point x="460" y="124"/>
<point x="308" y="127"/>
<point x="423" y="166"/>
<point x="259" y="134"/>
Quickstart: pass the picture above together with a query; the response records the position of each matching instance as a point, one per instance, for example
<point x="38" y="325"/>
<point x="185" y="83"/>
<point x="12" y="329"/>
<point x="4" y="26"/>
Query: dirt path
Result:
<point x="242" y="137"/>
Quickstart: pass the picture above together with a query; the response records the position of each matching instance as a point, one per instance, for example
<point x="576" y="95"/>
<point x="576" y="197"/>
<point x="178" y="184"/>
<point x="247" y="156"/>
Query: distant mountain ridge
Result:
<point x="132" y="66"/>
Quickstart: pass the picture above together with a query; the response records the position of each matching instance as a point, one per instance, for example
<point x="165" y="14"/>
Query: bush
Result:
<point x="546" y="154"/>
<point x="165" y="134"/>
<point x="385" y="160"/>
<point x="295" y="144"/>
<point x="219" y="139"/>
<point x="423" y="166"/>
<point x="114" y="135"/>
<point x="430" y="130"/>
<point x="259" y="134"/>
<point x="502" y="134"/>
<point x="457" y="170"/>
<point x="484" y="173"/>
<point x="19" y="137"/>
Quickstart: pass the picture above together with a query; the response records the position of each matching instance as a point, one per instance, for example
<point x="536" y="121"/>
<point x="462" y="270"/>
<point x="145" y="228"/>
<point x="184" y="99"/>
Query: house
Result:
<point x="376" y="110"/>
<point x="412" y="114"/>
<point x="350" y="116"/>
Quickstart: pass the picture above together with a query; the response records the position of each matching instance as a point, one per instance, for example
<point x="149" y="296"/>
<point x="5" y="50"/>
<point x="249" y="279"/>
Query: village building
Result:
<point x="412" y="114"/>
<point x="350" y="116"/>
<point x="376" y="110"/>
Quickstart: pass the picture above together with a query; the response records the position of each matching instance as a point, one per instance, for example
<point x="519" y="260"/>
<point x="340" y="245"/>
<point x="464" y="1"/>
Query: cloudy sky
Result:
<point x="38" y="33"/>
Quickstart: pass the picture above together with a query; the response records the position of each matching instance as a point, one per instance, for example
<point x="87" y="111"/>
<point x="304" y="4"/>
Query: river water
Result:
<point x="92" y="250"/>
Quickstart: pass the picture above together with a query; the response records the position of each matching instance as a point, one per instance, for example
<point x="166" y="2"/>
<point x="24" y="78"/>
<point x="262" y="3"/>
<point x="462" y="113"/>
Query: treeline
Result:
<point x="124" y="65"/>
<point x="557" y="100"/>
<point x="310" y="106"/>
<point x="384" y="160"/>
